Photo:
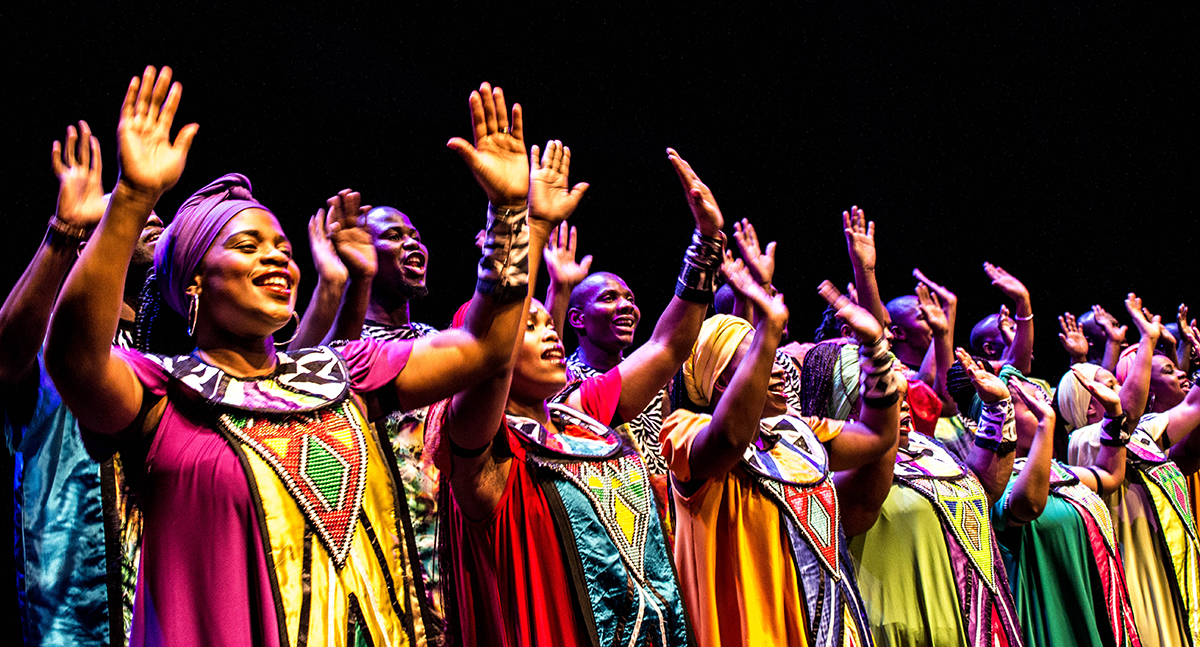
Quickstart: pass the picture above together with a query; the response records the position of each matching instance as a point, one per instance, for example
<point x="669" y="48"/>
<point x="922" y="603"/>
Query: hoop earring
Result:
<point x="284" y="344"/>
<point x="193" y="313"/>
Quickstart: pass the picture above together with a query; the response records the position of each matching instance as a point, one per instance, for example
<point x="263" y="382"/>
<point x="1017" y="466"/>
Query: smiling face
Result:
<point x="403" y="259"/>
<point x="603" y="312"/>
<point x="541" y="367"/>
<point x="776" y="403"/>
<point x="247" y="279"/>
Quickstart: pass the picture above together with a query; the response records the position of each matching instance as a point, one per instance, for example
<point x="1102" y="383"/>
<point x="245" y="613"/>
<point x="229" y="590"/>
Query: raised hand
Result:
<point x="948" y="299"/>
<point x="989" y="387"/>
<point x="1114" y="332"/>
<point x="760" y="262"/>
<point x="704" y="206"/>
<point x="1032" y="399"/>
<point x="325" y="258"/>
<point x="497" y="159"/>
<point x="865" y="326"/>
<point x="352" y="242"/>
<point x="549" y="198"/>
<point x="766" y="306"/>
<point x="1187" y="330"/>
<point x="1148" y="325"/>
<point x="150" y="163"/>
<point x="560" y="257"/>
<point x="1072" y="337"/>
<point x="81" y="200"/>
<point x="860" y="238"/>
<point x="1108" y="398"/>
<point x="1007" y="283"/>
<point x="930" y="310"/>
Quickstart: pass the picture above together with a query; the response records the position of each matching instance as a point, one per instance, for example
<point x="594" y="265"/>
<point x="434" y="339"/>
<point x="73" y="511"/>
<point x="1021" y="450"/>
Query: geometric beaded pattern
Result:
<point x="303" y="380"/>
<point x="814" y="510"/>
<point x="961" y="502"/>
<point x="1172" y="482"/>
<point x="620" y="493"/>
<point x="1064" y="483"/>
<point x="321" y="457"/>
<point x="577" y="435"/>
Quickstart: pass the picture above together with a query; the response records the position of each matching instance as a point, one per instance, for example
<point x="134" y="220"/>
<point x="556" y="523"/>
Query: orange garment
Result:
<point x="732" y="551"/>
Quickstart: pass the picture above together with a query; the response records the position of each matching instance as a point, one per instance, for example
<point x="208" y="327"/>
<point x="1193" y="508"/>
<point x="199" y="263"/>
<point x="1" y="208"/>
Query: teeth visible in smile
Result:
<point x="275" y="281"/>
<point x="623" y="321"/>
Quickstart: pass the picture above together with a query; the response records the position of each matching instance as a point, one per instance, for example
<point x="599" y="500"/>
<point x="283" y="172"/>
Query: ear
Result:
<point x="194" y="286"/>
<point x="846" y="331"/>
<point x="989" y="350"/>
<point x="575" y="320"/>
<point x="898" y="333"/>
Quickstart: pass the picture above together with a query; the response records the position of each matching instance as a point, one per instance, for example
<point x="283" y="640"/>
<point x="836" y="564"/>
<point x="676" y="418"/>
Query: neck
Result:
<point x="909" y="355"/>
<point x="598" y="358"/>
<point x="135" y="280"/>
<point x="536" y="410"/>
<point x="1161" y="404"/>
<point x="397" y="315"/>
<point x="238" y="357"/>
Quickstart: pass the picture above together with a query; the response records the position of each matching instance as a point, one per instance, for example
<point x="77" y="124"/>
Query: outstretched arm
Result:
<point x="860" y="241"/>
<point x="943" y="339"/>
<point x="1032" y="486"/>
<point x="100" y="388"/>
<point x="1135" y="392"/>
<point x="991" y="458"/>
<point x="648" y="369"/>
<point x="1020" y="351"/>
<point x="335" y="311"/>
<point x="26" y="312"/>
<point x="718" y="447"/>
<point x="564" y="272"/>
<point x="1109" y="468"/>
<point x="1183" y="423"/>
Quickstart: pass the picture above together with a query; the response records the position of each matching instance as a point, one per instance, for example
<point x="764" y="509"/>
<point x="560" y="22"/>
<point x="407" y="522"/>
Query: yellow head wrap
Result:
<point x="718" y="341"/>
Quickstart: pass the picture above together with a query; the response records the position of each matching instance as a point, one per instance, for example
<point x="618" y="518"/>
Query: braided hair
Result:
<point x="157" y="329"/>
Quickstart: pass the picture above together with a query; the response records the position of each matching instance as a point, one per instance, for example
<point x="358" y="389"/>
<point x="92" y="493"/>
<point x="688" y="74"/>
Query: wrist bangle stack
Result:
<point x="997" y="429"/>
<point x="503" y="271"/>
<point x="67" y="231"/>
<point x="1113" y="432"/>
<point x="700" y="265"/>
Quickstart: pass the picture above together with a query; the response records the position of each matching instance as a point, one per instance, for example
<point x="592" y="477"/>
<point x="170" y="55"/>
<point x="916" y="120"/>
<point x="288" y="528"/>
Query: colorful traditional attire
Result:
<point x="1155" y="529"/>
<point x="930" y="569"/>
<point x="272" y="515"/>
<point x="573" y="553"/>
<point x="1064" y="567"/>
<point x="405" y="433"/>
<point x="761" y="553"/>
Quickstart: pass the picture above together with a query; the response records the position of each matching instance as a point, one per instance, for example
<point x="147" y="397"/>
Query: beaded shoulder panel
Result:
<point x="787" y="450"/>
<point x="578" y="434"/>
<point x="303" y="381"/>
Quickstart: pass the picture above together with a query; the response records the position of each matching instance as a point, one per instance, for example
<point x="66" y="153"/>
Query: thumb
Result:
<point x="184" y="139"/>
<point x="578" y="190"/>
<point x="586" y="263"/>
<point x="464" y="150"/>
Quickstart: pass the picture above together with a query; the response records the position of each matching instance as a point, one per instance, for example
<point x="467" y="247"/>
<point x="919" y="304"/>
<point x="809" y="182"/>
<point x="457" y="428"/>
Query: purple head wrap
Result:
<point x="186" y="240"/>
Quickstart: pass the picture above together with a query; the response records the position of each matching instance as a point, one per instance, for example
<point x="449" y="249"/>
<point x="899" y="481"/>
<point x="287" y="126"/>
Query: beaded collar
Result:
<point x="577" y="435"/>
<point x="787" y="450"/>
<point x="303" y="381"/>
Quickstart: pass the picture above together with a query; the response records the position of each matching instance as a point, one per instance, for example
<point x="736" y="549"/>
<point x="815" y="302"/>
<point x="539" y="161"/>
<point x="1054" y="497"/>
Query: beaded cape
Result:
<point x="961" y="503"/>
<point x="598" y="476"/>
<point x="791" y="466"/>
<point x="316" y="469"/>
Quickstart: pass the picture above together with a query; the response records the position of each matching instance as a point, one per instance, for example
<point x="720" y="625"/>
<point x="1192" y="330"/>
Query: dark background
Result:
<point x="1055" y="142"/>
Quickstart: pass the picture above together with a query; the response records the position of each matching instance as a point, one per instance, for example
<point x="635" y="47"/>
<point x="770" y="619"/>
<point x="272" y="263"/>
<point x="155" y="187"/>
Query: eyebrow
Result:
<point x="258" y="235"/>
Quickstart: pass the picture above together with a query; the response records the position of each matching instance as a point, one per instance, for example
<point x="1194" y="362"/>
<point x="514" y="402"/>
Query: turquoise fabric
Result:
<point x="59" y="538"/>
<point x="614" y="594"/>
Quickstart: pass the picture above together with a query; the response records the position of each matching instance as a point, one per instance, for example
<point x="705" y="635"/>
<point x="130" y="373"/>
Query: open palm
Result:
<point x="149" y="161"/>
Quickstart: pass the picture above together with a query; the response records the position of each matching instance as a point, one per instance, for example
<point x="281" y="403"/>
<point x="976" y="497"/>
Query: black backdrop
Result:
<point x="1056" y="142"/>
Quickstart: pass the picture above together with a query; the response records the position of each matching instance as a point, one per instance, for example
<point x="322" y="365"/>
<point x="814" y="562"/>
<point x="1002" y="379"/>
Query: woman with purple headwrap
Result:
<point x="272" y="516"/>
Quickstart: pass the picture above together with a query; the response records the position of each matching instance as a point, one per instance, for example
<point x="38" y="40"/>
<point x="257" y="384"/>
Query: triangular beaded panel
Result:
<point x="321" y="457"/>
<point x="1168" y="477"/>
<point x="815" y="512"/>
<point x="1068" y="487"/>
<point x="619" y="490"/>
<point x="962" y="505"/>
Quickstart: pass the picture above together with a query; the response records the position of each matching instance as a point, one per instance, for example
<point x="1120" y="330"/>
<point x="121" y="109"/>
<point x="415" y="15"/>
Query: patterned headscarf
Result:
<point x="1073" y="396"/>
<point x="718" y="341"/>
<point x="186" y="240"/>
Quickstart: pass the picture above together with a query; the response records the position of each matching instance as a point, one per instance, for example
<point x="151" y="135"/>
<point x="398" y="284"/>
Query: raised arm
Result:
<point x="1032" y="486"/>
<point x="1184" y="423"/>
<point x="648" y="369"/>
<point x="444" y="364"/>
<point x="1189" y="340"/>
<point x="1135" y="391"/>
<point x="26" y="311"/>
<point x="718" y="447"/>
<point x="565" y="273"/>
<point x="1020" y="350"/>
<point x="343" y="254"/>
<point x="943" y="340"/>
<point x="1114" y="335"/>
<point x="1108" y="472"/>
<point x="860" y="242"/>
<point x="99" y="387"/>
<point x="991" y="458"/>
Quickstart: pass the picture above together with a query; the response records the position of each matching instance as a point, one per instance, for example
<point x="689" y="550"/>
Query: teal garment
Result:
<point x="59" y="534"/>
<point x="1053" y="575"/>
